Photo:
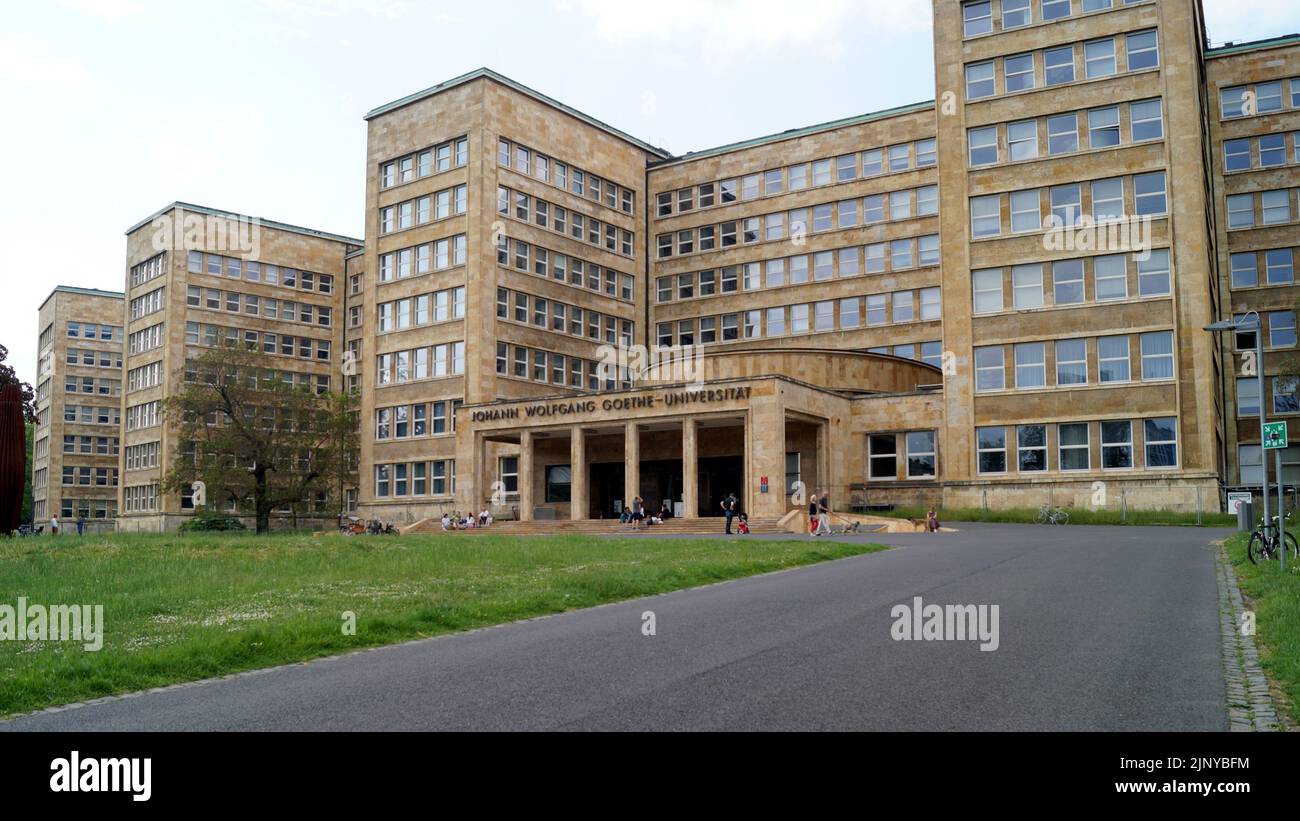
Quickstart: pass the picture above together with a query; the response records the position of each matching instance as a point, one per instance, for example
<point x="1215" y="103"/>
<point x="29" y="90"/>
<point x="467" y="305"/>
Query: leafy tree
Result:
<point x="253" y="438"/>
<point x="7" y="376"/>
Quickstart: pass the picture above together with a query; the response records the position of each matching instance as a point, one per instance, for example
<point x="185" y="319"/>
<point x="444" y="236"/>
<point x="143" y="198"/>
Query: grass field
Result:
<point x="181" y="608"/>
<point x="1275" y="598"/>
<point x="1078" y="516"/>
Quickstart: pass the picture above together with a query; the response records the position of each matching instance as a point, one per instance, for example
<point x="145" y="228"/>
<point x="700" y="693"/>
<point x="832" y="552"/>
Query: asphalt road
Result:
<point x="1100" y="628"/>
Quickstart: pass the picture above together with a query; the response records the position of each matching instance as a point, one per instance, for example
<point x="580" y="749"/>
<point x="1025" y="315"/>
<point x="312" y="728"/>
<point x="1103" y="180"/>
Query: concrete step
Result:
<point x="602" y="527"/>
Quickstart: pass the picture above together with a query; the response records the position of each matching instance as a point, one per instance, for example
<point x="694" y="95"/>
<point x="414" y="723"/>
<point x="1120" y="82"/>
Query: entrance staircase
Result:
<point x="602" y="527"/>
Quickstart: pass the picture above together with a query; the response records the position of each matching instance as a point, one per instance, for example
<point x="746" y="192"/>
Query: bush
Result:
<point x="210" y="521"/>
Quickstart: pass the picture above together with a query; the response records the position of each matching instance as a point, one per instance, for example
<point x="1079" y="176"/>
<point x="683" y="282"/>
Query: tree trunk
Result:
<point x="260" y="501"/>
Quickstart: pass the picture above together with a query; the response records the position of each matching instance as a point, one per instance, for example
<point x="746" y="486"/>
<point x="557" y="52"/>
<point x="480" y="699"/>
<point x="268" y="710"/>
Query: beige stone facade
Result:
<point x="198" y="278"/>
<point x="78" y="393"/>
<point x="993" y="299"/>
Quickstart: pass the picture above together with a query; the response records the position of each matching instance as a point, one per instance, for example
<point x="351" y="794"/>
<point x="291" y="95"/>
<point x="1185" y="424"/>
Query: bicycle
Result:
<point x="1051" y="515"/>
<point x="1264" y="544"/>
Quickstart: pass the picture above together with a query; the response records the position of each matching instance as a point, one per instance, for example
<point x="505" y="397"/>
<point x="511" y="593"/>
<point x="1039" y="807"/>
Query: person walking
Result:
<point x="54" y="525"/>
<point x="729" y="510"/>
<point x="814" y="505"/>
<point x="824" y="514"/>
<point x="81" y="525"/>
<point x="638" y="512"/>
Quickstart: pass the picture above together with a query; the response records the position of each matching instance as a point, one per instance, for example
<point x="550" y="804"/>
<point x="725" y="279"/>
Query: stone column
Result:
<point x="578" y="474"/>
<point x="823" y="459"/>
<point x="766" y="442"/>
<point x="526" y="502"/>
<point x="631" y="463"/>
<point x="690" y="470"/>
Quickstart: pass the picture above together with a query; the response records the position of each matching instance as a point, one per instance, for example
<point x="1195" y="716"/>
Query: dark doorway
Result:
<point x="604" y="487"/>
<point x="661" y="481"/>
<point x="720" y="476"/>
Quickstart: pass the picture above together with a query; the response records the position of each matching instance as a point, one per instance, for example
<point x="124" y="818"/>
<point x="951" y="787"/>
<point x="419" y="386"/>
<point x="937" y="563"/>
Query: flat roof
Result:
<point x="213" y="212"/>
<point x="794" y="133"/>
<point x="487" y="73"/>
<point x="1254" y="45"/>
<point x="72" y="289"/>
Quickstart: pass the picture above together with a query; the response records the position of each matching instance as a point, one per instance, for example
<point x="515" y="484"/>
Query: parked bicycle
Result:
<point x="1051" y="515"/>
<point x="1265" y="542"/>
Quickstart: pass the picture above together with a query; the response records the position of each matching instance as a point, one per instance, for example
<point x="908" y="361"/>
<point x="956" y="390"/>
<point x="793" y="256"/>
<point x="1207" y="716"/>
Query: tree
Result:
<point x="28" y="504"/>
<point x="9" y="376"/>
<point x="253" y="438"/>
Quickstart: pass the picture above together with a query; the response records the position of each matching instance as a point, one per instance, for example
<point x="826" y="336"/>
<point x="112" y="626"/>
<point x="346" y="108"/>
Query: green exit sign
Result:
<point x="1274" y="435"/>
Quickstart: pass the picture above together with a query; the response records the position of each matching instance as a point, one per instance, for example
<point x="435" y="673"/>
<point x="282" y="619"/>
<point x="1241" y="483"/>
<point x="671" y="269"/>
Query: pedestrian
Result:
<point x="824" y="514"/>
<point x="931" y="521"/>
<point x="729" y="510"/>
<point x="54" y="525"/>
<point x="638" y="512"/>
<point x="81" y="525"/>
<point x="813" y="506"/>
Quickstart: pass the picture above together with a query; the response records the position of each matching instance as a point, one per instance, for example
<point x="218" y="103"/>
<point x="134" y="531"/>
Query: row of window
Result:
<point x="1259" y="98"/>
<point x="565" y="177"/>
<point x="1036" y="209"/>
<point x="416" y="421"/>
<point x="794" y="224"/>
<point x="424" y="210"/>
<point x="1277" y="267"/>
<point x="89" y="476"/>
<point x="1067" y="133"/>
<point x="150" y="303"/>
<point x="1262" y="208"/>
<point x="1266" y="151"/>
<point x="436" y="478"/>
<point x="1285" y="394"/>
<point x="561" y="268"/>
<point x="423" y="309"/>
<point x="94" y="359"/>
<point x="1067" y="281"/>
<point x="1060" y="65"/>
<point x="149" y="339"/>
<point x="89" y="330"/>
<point x="1281" y="330"/>
<point x="844" y="168"/>
<point x="253" y="271"/>
<point x="140" y="498"/>
<point x="142" y="416"/>
<point x="817" y="317"/>
<point x="556" y="369"/>
<point x="215" y="336"/>
<point x="977" y="15"/>
<point x="436" y="160"/>
<point x="429" y="362"/>
<point x="1110" y="362"/>
<point x="90" y="445"/>
<point x="89" y="384"/>
<point x="438" y="255"/>
<point x="303" y="381"/>
<point x="71" y="509"/>
<point x="253" y="305"/>
<point x="148" y="270"/>
<point x="145" y="376"/>
<point x="562" y="318"/>
<point x="823" y="266"/>
<point x="537" y="211"/>
<point x="92" y="414"/>
<point x="919" y="456"/>
<point x="142" y="456"/>
<point x="1029" y="446"/>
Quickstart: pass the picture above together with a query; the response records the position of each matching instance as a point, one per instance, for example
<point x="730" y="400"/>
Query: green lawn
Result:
<point x="1078" y="516"/>
<point x="181" y="608"/>
<point x="1275" y="598"/>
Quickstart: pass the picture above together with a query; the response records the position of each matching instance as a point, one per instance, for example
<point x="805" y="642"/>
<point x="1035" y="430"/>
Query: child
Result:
<point x="743" y="527"/>
<point x="931" y="521"/>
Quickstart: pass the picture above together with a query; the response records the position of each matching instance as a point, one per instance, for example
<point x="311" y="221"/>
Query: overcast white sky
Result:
<point x="115" y="108"/>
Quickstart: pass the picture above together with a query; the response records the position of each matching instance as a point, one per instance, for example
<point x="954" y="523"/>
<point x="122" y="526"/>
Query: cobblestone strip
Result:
<point x="1250" y="704"/>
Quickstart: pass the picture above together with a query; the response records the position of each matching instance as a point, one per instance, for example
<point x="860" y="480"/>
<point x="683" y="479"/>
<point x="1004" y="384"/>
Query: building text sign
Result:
<point x="613" y="404"/>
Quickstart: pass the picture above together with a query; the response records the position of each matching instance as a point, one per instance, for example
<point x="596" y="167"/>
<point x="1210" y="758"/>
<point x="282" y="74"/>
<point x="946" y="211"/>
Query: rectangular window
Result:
<point x="1067" y="282"/>
<point x="990" y="369"/>
<point x="1031" y="448"/>
<point x="983" y="145"/>
<point x="1145" y="121"/>
<point x="1113" y="359"/>
<point x="1099" y="58"/>
<point x="1161" y="439"/>
<point x="1019" y="72"/>
<point x="977" y="18"/>
<point x="1116" y="445"/>
<point x="1063" y="134"/>
<point x="1059" y="65"/>
<point x="1027" y="286"/>
<point x="882" y="458"/>
<point x="987" y="287"/>
<point x="991" y="447"/>
<point x="980" y="81"/>
<point x="1031" y="365"/>
<point x="986" y="216"/>
<point x="1071" y="362"/>
<point x="1022" y="140"/>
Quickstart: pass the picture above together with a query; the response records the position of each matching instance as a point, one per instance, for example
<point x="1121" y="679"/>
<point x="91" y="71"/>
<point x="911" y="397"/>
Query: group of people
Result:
<point x="466" y="521"/>
<point x="55" y="524"/>
<point x="819" y="514"/>
<point x="635" y="514"/>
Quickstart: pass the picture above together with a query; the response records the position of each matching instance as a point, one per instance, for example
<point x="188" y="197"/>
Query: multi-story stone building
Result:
<point x="78" y="395"/>
<point x="198" y="278"/>
<point x="994" y="298"/>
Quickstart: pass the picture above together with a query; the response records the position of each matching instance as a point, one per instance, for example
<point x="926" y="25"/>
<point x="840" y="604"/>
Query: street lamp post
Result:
<point x="1245" y="323"/>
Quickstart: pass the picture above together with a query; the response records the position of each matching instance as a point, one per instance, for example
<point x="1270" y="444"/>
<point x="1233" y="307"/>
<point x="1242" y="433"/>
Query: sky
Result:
<point x="116" y="108"/>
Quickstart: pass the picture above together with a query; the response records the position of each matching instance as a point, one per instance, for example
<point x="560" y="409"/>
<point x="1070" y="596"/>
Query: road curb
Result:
<point x="1250" y="704"/>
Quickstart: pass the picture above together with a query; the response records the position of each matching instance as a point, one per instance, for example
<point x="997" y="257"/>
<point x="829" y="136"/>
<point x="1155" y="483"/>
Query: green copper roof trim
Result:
<point x="522" y="89"/>
<point x="213" y="212"/>
<point x="1254" y="45"/>
<point x="72" y="289"/>
<point x="794" y="133"/>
